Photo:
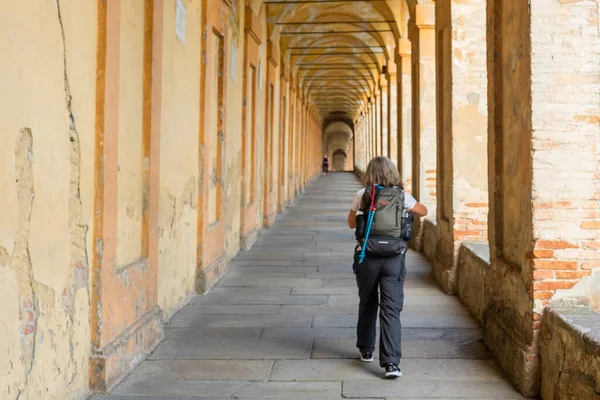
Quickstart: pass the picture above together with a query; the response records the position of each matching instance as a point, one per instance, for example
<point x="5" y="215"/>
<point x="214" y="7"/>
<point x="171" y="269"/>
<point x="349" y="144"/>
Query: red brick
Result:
<point x="592" y="119"/>
<point x="591" y="214"/>
<point x="590" y="265"/>
<point x="590" y="225"/>
<point x="554" y="244"/>
<point x="542" y="295"/>
<point x="541" y="253"/>
<point x="572" y="274"/>
<point x="468" y="233"/>
<point x="553" y="285"/>
<point x="543" y="274"/>
<point x="553" y="205"/>
<point x="591" y="245"/>
<point x="554" y="264"/>
<point x="476" y="205"/>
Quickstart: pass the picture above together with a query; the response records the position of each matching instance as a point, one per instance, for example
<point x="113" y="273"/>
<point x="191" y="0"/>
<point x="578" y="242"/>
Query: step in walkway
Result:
<point x="281" y="325"/>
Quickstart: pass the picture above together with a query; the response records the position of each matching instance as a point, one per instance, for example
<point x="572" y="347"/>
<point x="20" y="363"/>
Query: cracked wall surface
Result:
<point x="179" y="168"/>
<point x="45" y="203"/>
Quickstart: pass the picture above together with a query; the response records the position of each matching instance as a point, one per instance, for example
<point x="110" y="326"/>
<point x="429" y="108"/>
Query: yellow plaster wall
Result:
<point x="179" y="151"/>
<point x="261" y="122"/>
<point x="131" y="103"/>
<point x="48" y="212"/>
<point x="233" y="135"/>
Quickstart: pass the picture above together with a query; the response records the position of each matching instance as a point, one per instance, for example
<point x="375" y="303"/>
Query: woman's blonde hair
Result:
<point x="381" y="171"/>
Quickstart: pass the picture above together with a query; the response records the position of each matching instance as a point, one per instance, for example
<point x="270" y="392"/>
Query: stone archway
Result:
<point x="339" y="160"/>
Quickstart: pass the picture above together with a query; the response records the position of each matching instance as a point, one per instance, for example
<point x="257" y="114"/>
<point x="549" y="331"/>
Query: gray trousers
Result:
<point x="385" y="275"/>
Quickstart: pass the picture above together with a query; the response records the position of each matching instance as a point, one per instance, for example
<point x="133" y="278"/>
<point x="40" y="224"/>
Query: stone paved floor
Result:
<point x="281" y="325"/>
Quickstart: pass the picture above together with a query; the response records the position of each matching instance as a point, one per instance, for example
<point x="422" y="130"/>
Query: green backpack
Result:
<point x="388" y="225"/>
<point x="389" y="207"/>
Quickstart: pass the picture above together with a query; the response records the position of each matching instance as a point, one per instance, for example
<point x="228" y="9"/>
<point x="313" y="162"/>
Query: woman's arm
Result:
<point x="419" y="210"/>
<point x="352" y="219"/>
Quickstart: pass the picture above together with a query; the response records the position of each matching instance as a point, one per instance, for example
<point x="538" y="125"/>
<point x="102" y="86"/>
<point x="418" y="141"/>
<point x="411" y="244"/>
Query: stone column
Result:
<point x="543" y="174"/>
<point x="392" y="109"/>
<point x="374" y="129"/>
<point x="404" y="87"/>
<point x="368" y="127"/>
<point x="424" y="112"/>
<point x="384" y="112"/>
<point x="378" y="124"/>
<point x="462" y="133"/>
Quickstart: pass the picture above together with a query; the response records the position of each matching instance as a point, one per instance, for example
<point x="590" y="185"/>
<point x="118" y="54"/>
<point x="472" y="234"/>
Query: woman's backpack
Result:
<point x="388" y="225"/>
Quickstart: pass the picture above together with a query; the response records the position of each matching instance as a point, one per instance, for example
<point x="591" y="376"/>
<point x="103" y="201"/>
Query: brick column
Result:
<point x="424" y="112"/>
<point x="385" y="123"/>
<point x="462" y="205"/>
<point x="543" y="132"/>
<point x="404" y="87"/>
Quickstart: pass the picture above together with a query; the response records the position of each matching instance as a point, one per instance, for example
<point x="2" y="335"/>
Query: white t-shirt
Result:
<point x="409" y="201"/>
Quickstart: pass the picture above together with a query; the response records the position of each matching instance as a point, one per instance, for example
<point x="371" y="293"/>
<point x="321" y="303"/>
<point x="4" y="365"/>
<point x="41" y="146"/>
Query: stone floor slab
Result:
<point x="409" y="319"/>
<point x="191" y="311"/>
<point x="266" y="299"/>
<point x="308" y="333"/>
<point x="291" y="390"/>
<point x="242" y="320"/>
<point x="180" y="388"/>
<point x="406" y="387"/>
<point x="415" y="345"/>
<point x="203" y="370"/>
<point x="255" y="281"/>
<point x="417" y="369"/>
<point x="198" y="348"/>
<point x="152" y="397"/>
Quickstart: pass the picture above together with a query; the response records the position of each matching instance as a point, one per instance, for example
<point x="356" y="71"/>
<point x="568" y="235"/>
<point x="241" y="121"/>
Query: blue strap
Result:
<point x="369" y="224"/>
<point x="364" y="247"/>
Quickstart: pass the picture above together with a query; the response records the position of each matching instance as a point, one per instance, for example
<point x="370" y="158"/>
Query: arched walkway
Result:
<point x="149" y="145"/>
<point x="281" y="324"/>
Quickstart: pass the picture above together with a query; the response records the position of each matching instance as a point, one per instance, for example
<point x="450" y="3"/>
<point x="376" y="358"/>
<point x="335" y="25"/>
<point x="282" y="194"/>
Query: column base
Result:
<point x="519" y="359"/>
<point x="209" y="275"/>
<point x="269" y="220"/>
<point x="110" y="364"/>
<point x="248" y="240"/>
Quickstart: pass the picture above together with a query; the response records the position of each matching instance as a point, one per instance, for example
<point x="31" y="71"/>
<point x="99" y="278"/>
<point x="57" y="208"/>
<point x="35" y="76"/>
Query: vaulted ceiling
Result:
<point x="336" y="50"/>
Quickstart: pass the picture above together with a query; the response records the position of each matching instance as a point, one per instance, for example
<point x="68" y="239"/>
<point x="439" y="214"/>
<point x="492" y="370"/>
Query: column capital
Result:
<point x="391" y="68"/>
<point x="383" y="82"/>
<point x="404" y="47"/>
<point x="272" y="53"/>
<point x="425" y="16"/>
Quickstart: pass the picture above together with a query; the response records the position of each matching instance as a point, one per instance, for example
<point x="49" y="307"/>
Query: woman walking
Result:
<point x="383" y="268"/>
<point x="325" y="164"/>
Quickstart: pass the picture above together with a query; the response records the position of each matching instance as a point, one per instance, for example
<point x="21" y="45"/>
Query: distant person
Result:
<point x="325" y="164"/>
<point x="383" y="267"/>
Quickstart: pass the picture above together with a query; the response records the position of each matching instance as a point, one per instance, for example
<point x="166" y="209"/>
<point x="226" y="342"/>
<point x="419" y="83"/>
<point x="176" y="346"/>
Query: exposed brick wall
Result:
<point x="566" y="139"/>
